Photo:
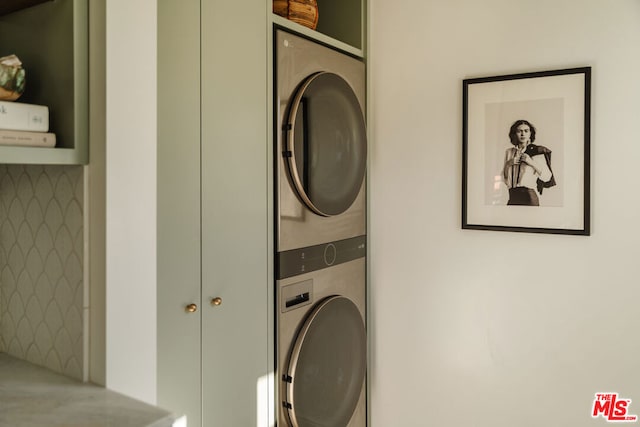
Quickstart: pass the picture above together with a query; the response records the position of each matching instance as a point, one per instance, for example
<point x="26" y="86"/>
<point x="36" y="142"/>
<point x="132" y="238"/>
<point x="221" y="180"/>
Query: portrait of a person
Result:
<point x="527" y="166"/>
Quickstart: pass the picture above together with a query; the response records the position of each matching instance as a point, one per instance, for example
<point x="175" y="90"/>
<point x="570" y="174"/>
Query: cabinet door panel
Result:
<point x="234" y="213"/>
<point x="179" y="281"/>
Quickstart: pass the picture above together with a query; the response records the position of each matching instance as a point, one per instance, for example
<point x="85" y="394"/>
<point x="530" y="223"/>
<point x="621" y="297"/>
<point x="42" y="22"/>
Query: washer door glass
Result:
<point x="327" y="143"/>
<point x="327" y="366"/>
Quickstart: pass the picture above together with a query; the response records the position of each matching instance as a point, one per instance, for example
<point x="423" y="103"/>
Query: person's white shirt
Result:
<point x="524" y="175"/>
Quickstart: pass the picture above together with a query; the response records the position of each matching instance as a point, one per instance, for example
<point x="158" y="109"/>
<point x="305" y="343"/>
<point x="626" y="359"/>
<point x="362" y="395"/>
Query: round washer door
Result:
<point x="328" y="365"/>
<point x="327" y="142"/>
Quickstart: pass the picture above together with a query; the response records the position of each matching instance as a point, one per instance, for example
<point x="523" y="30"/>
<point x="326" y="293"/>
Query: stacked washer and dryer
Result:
<point x="320" y="202"/>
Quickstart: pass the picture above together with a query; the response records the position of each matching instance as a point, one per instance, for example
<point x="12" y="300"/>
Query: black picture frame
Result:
<point x="501" y="180"/>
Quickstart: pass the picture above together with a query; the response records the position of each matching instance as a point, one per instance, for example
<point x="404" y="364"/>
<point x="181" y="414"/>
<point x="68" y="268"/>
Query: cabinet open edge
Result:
<point x="62" y="60"/>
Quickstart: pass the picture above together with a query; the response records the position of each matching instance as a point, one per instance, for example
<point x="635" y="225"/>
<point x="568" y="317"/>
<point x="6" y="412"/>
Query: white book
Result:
<point x="27" y="139"/>
<point x="21" y="116"/>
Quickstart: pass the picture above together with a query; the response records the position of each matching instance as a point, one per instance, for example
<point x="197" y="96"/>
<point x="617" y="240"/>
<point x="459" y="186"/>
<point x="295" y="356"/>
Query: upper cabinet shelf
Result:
<point x="8" y="6"/>
<point x="340" y="24"/>
<point x="51" y="40"/>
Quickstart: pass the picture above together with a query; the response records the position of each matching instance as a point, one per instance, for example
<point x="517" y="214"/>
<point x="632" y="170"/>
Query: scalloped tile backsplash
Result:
<point x="41" y="266"/>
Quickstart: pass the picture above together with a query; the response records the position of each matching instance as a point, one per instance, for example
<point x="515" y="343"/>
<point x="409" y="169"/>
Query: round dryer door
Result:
<point x="327" y="143"/>
<point x="327" y="366"/>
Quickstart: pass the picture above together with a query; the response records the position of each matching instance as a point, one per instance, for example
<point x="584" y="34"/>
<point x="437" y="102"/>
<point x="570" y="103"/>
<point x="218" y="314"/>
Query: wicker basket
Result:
<point x="304" y="12"/>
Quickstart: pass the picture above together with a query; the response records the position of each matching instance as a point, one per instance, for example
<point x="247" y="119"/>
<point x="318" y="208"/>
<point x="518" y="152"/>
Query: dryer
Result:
<point x="320" y="202"/>
<point x="321" y="145"/>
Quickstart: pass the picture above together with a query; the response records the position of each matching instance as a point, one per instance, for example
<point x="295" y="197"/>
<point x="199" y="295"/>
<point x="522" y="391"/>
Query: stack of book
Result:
<point x="25" y="125"/>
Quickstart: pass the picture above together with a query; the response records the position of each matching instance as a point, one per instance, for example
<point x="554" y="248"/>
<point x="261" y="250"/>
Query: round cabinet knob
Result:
<point x="191" y="308"/>
<point x="216" y="301"/>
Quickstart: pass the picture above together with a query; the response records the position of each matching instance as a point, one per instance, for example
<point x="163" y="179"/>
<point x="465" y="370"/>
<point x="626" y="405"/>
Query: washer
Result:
<point x="320" y="163"/>
<point x="322" y="347"/>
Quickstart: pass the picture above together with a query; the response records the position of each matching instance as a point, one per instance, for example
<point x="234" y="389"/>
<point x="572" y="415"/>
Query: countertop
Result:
<point x="31" y="396"/>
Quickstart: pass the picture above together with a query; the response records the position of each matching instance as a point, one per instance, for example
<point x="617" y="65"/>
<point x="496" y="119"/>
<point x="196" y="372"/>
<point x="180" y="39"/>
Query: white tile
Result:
<point x="41" y="277"/>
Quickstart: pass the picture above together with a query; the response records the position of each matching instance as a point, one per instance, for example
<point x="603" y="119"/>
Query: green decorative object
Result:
<point x="12" y="78"/>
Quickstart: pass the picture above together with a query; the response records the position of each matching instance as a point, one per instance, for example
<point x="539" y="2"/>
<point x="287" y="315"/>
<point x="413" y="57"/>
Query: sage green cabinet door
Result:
<point x="179" y="232"/>
<point x="234" y="213"/>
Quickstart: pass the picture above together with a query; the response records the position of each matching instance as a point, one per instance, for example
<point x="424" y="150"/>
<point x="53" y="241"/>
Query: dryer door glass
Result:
<point x="327" y="143"/>
<point x="327" y="366"/>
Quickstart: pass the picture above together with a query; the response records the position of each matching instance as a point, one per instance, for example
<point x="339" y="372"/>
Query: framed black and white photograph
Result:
<point x="526" y="152"/>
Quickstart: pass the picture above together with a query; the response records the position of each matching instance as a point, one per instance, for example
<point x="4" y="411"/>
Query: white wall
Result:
<point x="495" y="329"/>
<point x="131" y="198"/>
